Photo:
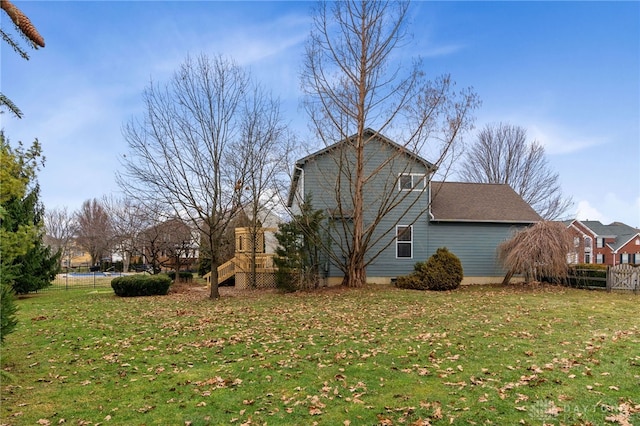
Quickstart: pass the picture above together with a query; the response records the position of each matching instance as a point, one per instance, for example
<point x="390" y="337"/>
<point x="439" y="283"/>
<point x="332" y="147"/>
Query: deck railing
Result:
<point x="242" y="263"/>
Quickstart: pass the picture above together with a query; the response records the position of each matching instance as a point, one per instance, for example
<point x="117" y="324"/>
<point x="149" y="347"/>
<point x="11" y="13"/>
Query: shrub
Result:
<point x="8" y="311"/>
<point x="442" y="271"/>
<point x="141" y="285"/>
<point x="411" y="281"/>
<point x="184" y="277"/>
<point x="586" y="275"/>
<point x="286" y="280"/>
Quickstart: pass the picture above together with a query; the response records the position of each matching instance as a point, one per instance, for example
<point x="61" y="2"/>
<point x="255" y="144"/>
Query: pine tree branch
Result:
<point x="22" y="22"/>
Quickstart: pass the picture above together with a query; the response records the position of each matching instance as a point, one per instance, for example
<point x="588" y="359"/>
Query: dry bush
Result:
<point x="538" y="251"/>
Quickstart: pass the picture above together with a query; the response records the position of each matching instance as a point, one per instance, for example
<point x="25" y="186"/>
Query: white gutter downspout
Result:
<point x="430" y="201"/>
<point x="299" y="180"/>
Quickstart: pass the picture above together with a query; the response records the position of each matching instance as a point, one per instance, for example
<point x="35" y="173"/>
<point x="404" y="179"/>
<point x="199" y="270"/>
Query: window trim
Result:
<point x="414" y="183"/>
<point x="409" y="242"/>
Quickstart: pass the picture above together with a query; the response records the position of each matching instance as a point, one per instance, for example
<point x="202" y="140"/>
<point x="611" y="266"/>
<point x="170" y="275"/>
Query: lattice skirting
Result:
<point x="263" y="280"/>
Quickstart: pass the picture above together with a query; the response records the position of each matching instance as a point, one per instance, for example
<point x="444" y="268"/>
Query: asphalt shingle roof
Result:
<point x="479" y="202"/>
<point x="621" y="232"/>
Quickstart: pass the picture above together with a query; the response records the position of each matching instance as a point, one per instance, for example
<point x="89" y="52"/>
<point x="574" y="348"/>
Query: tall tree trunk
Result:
<point x="215" y="292"/>
<point x="215" y="263"/>
<point x="356" y="272"/>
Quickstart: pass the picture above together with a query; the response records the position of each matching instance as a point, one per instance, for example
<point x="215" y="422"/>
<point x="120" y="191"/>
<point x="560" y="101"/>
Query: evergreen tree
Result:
<point x="8" y="311"/>
<point x="35" y="269"/>
<point x="26" y="263"/>
<point x="298" y="254"/>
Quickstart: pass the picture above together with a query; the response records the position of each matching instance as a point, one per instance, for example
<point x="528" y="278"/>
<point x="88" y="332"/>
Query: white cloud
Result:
<point x="555" y="138"/>
<point x="560" y="140"/>
<point x="443" y="50"/>
<point x="587" y="212"/>
<point x="610" y="208"/>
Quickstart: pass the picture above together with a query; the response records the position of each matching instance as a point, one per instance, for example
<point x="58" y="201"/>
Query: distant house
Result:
<point x="612" y="244"/>
<point x="170" y="245"/>
<point x="469" y="219"/>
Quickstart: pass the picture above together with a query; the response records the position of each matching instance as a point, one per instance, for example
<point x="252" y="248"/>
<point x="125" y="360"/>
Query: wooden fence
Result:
<point x="623" y="277"/>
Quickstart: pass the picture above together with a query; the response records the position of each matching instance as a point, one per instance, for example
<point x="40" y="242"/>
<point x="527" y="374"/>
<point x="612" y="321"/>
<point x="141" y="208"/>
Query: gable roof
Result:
<point x="479" y="202"/>
<point x="620" y="232"/>
<point x="623" y="240"/>
<point x="369" y="134"/>
<point x="611" y="230"/>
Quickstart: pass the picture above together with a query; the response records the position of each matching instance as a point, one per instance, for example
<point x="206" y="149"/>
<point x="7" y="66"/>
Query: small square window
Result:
<point x="406" y="182"/>
<point x="410" y="182"/>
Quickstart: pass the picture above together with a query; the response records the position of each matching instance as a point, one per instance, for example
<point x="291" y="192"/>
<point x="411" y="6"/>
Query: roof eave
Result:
<point x="485" y="221"/>
<point x="297" y="169"/>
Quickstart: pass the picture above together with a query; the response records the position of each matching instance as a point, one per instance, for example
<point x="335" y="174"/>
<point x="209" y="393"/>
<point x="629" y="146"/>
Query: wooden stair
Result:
<point x="242" y="263"/>
<point x="225" y="271"/>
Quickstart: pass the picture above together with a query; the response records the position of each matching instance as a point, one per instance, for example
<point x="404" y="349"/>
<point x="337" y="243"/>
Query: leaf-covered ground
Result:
<point x="478" y="355"/>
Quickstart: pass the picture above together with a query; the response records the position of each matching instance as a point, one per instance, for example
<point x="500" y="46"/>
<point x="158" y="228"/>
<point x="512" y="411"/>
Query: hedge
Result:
<point x="141" y="285"/>
<point x="185" y="277"/>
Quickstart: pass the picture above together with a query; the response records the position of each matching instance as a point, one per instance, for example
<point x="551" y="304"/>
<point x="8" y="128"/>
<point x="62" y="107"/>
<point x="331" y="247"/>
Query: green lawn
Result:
<point x="478" y="355"/>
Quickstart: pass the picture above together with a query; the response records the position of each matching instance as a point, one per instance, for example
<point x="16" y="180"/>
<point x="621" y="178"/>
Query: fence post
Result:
<point x="608" y="278"/>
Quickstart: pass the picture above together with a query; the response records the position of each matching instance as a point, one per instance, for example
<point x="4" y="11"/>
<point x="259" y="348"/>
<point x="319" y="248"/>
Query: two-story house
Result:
<point x="406" y="215"/>
<point x="612" y="244"/>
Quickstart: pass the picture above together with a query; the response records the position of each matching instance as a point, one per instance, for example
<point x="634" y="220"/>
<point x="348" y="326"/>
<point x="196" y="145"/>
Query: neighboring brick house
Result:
<point x="611" y="244"/>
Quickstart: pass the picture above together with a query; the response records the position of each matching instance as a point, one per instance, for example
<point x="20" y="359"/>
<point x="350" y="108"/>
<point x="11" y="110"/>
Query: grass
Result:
<point x="478" y="355"/>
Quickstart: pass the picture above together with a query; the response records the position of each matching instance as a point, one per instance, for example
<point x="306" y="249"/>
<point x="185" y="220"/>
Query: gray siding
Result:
<point x="474" y="243"/>
<point x="321" y="181"/>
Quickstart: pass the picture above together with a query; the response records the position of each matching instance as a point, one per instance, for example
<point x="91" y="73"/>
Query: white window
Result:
<point x="600" y="258"/>
<point x="411" y="182"/>
<point x="599" y="242"/>
<point x="576" y="241"/>
<point x="587" y="257"/>
<point x="587" y="243"/>
<point x="404" y="241"/>
<point x="624" y="258"/>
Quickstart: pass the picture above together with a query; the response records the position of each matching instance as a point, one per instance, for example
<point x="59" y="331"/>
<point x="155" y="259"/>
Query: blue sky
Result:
<point x="568" y="72"/>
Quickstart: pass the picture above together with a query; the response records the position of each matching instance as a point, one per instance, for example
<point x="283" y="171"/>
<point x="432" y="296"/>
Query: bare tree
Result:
<point x="537" y="251"/>
<point x="94" y="230"/>
<point x="261" y="154"/>
<point x="169" y="244"/>
<point x="179" y="151"/>
<point x="60" y="230"/>
<point x="129" y="218"/>
<point x="502" y="154"/>
<point x="353" y="81"/>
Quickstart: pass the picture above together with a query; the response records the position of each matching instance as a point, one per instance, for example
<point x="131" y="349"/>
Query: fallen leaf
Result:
<point x="314" y="411"/>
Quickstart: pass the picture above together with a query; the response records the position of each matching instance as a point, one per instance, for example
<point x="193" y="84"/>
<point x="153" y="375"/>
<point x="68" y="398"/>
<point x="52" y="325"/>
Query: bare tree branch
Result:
<point x="353" y="82"/>
<point x="502" y="154"/>
<point x="181" y="152"/>
<point x="94" y="230"/>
